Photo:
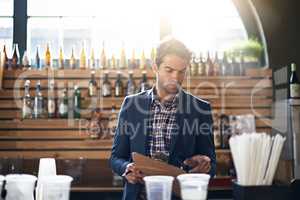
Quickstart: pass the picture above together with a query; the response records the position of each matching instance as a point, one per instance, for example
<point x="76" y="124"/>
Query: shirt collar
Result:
<point x="154" y="97"/>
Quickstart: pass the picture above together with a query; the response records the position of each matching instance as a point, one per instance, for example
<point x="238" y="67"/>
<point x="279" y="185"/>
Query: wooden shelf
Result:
<point x="47" y="124"/>
<point x="17" y="94"/>
<point x="193" y="84"/>
<point x="86" y="73"/>
<point x="261" y="112"/>
<point x="42" y="135"/>
<point x="243" y="102"/>
<point x="58" y="154"/>
<point x="54" y="144"/>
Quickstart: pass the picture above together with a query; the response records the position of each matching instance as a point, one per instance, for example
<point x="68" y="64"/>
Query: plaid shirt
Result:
<point x="161" y="125"/>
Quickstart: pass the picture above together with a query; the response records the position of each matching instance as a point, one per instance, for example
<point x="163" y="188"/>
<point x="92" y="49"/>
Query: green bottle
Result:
<point x="77" y="103"/>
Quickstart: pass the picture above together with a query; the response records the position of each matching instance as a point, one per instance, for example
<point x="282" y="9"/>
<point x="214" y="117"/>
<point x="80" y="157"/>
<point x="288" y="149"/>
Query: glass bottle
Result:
<point x="130" y="85"/>
<point x="143" y="61"/>
<point x="37" y="59"/>
<point x="92" y="60"/>
<point x="294" y="83"/>
<point x="144" y="82"/>
<point x="15" y="61"/>
<point x="27" y="103"/>
<point x="82" y="64"/>
<point x="38" y="102"/>
<point x="92" y="87"/>
<point x="106" y="86"/>
<point x="103" y="61"/>
<point x="51" y="100"/>
<point x="47" y="57"/>
<point x="63" y="106"/>
<point x="72" y="59"/>
<point x="25" y="61"/>
<point x="119" y="86"/>
<point x="61" y="62"/>
<point x="123" y="61"/>
<point x="77" y="102"/>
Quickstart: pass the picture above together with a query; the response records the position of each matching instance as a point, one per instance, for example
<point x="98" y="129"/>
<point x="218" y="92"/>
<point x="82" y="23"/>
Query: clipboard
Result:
<point x="151" y="167"/>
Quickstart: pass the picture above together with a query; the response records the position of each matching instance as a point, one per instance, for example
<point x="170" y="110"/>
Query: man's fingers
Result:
<point x="202" y="167"/>
<point x="131" y="178"/>
<point x="205" y="164"/>
<point x="207" y="159"/>
<point x="131" y="167"/>
<point x="196" y="160"/>
<point x="196" y="170"/>
<point x="201" y="158"/>
<point x="190" y="162"/>
<point x="132" y="174"/>
<point x="208" y="168"/>
<point x="135" y="176"/>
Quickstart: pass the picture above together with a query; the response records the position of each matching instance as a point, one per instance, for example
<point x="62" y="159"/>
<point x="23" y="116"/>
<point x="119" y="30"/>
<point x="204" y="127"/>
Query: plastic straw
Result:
<point x="255" y="157"/>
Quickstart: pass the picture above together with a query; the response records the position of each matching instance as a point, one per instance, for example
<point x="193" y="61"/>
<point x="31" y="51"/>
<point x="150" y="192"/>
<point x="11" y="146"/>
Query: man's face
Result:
<point x="171" y="73"/>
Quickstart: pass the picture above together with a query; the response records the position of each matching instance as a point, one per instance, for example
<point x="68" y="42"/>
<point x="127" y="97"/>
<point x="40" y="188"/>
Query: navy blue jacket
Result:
<point x="193" y="136"/>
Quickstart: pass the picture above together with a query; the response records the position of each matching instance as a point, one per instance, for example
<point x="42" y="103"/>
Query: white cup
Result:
<point x="1" y="185"/>
<point x="159" y="187"/>
<point x="47" y="167"/>
<point x="20" y="186"/>
<point x="193" y="186"/>
<point x="55" y="187"/>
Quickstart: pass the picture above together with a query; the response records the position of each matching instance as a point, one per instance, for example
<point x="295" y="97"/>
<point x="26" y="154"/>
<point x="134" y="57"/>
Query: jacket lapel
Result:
<point x="141" y="137"/>
<point x="179" y="120"/>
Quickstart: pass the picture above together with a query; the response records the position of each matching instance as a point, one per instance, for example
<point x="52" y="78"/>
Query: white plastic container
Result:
<point x="54" y="187"/>
<point x="159" y="187"/>
<point x="193" y="186"/>
<point x="20" y="186"/>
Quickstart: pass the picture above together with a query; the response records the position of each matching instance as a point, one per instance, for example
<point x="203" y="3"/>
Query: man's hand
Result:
<point x="198" y="163"/>
<point x="132" y="174"/>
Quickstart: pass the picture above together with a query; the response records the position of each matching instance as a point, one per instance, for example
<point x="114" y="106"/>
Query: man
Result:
<point x="164" y="120"/>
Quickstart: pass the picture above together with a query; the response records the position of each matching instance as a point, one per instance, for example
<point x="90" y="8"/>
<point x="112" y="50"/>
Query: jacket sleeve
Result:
<point x="205" y="139"/>
<point x="120" y="154"/>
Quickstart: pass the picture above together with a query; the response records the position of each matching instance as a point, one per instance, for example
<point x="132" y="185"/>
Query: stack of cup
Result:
<point x="47" y="167"/>
<point x="193" y="186"/>
<point x="159" y="187"/>
<point x="20" y="186"/>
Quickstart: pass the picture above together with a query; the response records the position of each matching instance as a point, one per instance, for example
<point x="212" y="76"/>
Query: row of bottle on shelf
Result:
<point x="200" y="65"/>
<point x="16" y="62"/>
<point x="227" y="66"/>
<point x="59" y="107"/>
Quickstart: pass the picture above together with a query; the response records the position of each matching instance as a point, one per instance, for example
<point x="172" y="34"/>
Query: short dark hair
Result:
<point x="171" y="46"/>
